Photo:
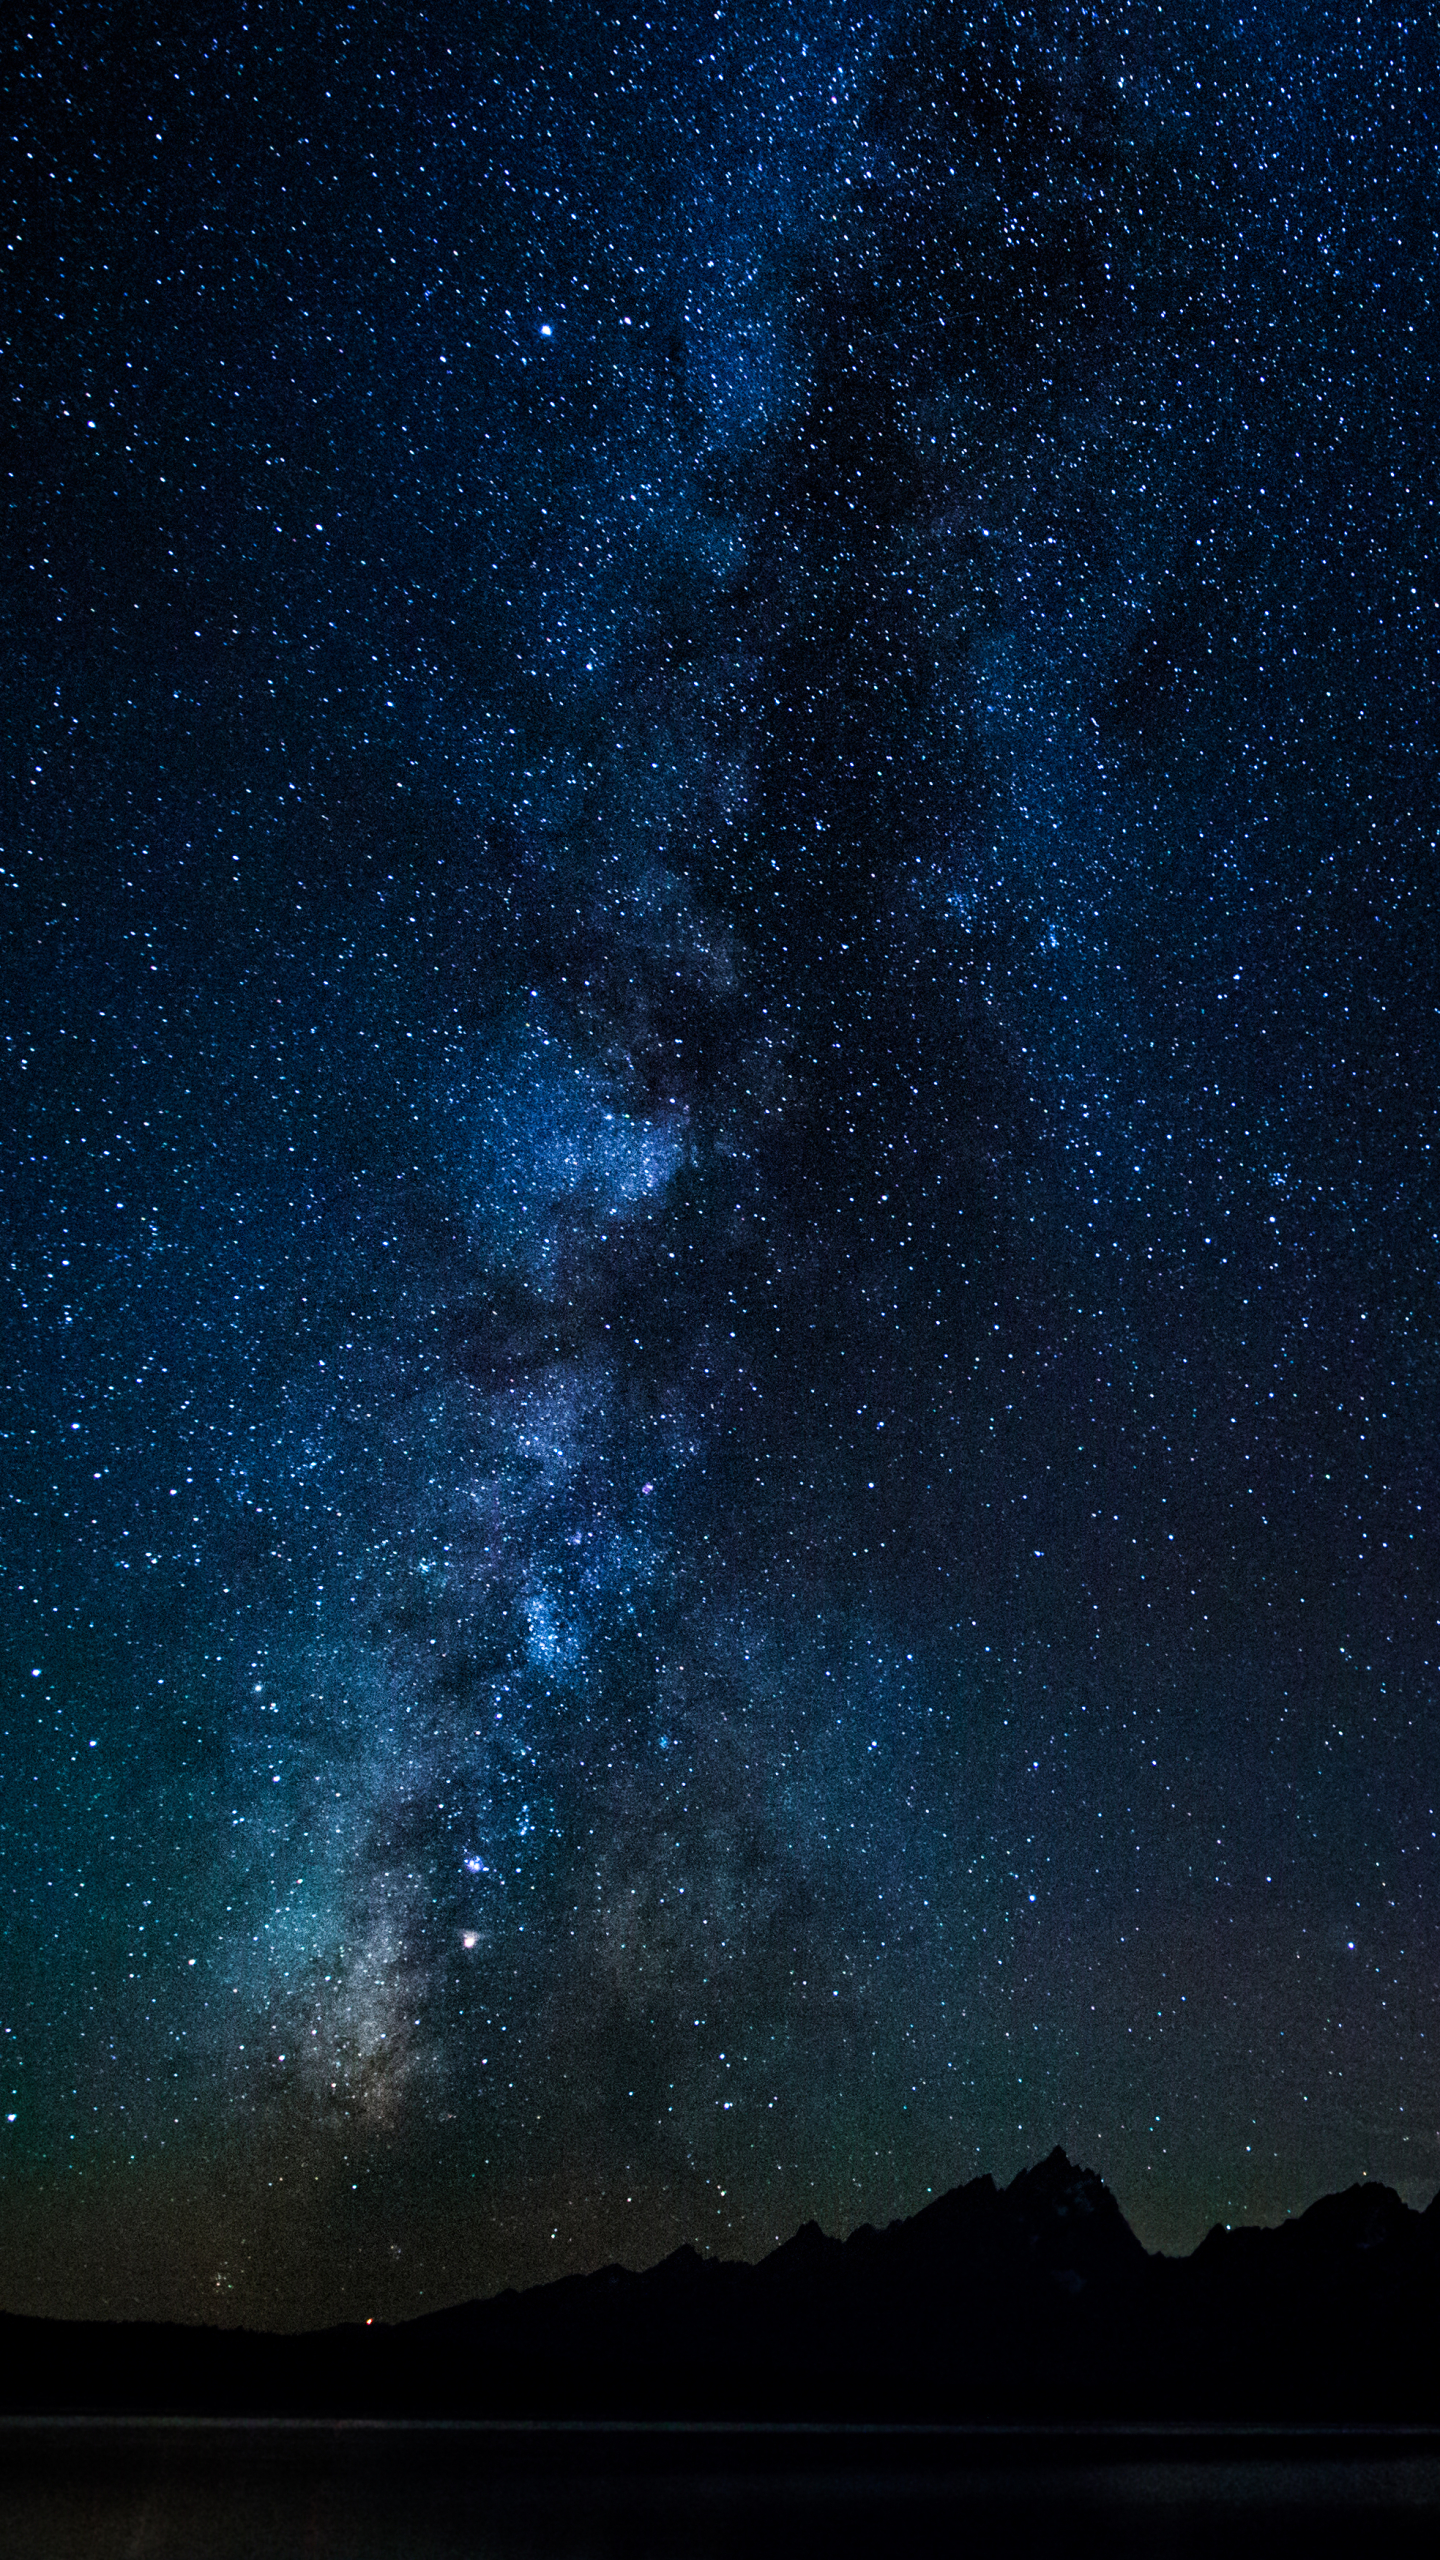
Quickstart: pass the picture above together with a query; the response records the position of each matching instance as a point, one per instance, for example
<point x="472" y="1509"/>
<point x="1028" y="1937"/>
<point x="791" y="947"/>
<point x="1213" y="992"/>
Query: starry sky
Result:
<point x="721" y="1012"/>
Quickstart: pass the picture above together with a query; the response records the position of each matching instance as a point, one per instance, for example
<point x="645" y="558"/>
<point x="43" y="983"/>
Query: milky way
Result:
<point x="721" y="1063"/>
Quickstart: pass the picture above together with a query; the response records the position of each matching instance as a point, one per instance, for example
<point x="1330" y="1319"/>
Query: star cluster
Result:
<point x="720" y="1044"/>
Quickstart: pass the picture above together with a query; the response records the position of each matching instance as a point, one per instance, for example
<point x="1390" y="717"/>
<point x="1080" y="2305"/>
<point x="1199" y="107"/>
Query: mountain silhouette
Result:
<point x="1034" y="2300"/>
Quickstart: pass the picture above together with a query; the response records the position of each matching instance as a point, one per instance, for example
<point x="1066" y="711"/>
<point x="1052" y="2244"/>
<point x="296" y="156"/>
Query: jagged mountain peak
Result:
<point x="1361" y="2215"/>
<point x="805" y="2248"/>
<point x="1057" y="2184"/>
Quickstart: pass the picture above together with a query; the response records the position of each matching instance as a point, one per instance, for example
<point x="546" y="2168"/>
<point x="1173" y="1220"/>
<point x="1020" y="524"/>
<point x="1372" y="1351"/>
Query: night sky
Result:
<point x="721" y="1017"/>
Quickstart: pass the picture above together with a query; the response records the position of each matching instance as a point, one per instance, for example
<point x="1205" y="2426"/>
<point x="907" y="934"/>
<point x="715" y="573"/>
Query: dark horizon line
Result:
<point x="1056" y="2161"/>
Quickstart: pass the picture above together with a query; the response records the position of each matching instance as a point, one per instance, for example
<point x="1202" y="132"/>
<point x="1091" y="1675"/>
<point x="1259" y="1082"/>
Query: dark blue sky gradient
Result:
<point x="721" y="1056"/>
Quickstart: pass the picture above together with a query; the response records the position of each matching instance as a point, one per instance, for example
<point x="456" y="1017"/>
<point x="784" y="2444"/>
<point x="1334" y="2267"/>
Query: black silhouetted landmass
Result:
<point x="1036" y="2301"/>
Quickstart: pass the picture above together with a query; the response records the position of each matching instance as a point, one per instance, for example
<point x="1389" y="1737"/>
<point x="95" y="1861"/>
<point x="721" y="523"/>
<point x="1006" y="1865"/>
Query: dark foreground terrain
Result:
<point x="1032" y="2304"/>
<point x="1006" y="2373"/>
